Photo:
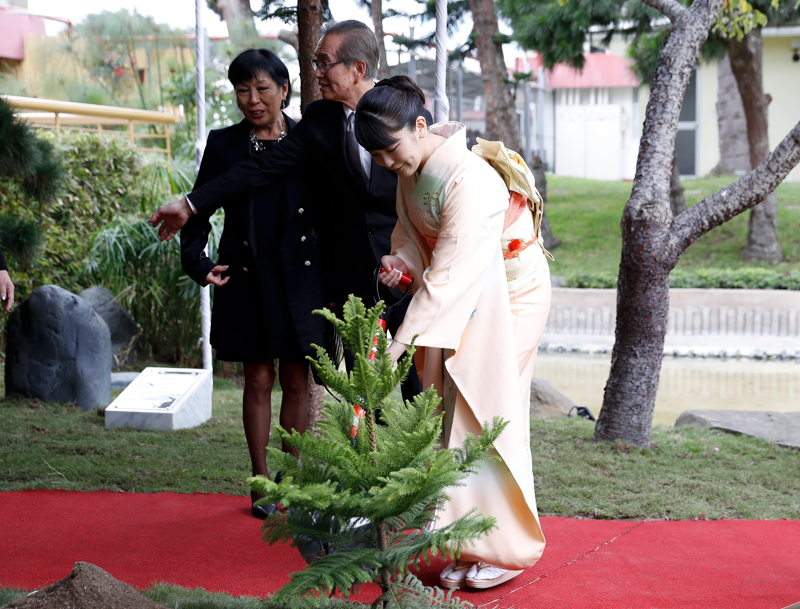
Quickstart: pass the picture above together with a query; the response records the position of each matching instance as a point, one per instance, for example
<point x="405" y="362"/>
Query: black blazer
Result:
<point x="261" y="292"/>
<point x="354" y="221"/>
<point x="4" y="266"/>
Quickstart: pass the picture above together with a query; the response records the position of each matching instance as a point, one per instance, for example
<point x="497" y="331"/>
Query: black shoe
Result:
<point x="263" y="511"/>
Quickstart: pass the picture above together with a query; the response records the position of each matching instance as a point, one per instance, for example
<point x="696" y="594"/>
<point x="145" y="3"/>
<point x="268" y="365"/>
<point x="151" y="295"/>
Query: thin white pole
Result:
<point x="200" y="144"/>
<point x="441" y="107"/>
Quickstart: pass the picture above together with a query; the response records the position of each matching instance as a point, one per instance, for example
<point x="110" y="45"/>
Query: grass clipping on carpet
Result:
<point x="358" y="505"/>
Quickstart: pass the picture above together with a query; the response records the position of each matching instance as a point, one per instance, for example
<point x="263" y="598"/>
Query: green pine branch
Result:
<point x="368" y="504"/>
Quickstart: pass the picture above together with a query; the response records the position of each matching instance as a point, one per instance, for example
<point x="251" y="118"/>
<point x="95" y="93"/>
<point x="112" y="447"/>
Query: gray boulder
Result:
<point x="124" y="329"/>
<point x="58" y="350"/>
<point x="782" y="428"/>
<point x="547" y="402"/>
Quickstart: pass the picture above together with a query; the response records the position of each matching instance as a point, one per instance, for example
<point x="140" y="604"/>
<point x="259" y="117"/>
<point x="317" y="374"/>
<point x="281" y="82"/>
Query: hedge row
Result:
<point x="102" y="179"/>
<point x="743" y="279"/>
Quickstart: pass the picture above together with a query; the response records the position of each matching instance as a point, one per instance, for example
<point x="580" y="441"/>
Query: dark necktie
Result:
<point x="354" y="150"/>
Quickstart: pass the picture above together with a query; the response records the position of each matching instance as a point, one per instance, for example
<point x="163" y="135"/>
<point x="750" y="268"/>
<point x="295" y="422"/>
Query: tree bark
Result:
<point x="310" y="16"/>
<point x="551" y="242"/>
<point x="677" y="201"/>
<point x="745" y="57"/>
<point x="643" y="286"/>
<point x="501" y="117"/>
<point x="376" y="8"/>
<point x="734" y="152"/>
<point x="653" y="240"/>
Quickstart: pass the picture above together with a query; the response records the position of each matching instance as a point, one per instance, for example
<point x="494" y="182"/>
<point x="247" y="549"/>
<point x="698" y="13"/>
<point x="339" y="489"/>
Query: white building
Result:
<point x="588" y="123"/>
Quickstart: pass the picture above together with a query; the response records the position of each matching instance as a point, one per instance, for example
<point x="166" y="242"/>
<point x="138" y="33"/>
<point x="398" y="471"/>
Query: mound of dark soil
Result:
<point x="89" y="587"/>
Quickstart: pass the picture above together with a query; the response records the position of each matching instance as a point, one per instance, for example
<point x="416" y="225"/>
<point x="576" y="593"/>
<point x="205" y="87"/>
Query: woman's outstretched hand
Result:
<point x="173" y="215"/>
<point x="390" y="277"/>
<point x="215" y="276"/>
<point x="6" y="292"/>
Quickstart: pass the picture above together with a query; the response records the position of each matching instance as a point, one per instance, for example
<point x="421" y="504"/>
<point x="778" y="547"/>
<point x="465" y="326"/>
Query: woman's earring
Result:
<point x="283" y="103"/>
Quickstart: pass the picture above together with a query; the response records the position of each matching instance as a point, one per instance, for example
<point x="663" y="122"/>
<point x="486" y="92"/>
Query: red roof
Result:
<point x="13" y="28"/>
<point x="600" y="71"/>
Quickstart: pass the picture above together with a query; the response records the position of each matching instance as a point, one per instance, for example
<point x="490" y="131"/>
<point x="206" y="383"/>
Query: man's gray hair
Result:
<point x="357" y="43"/>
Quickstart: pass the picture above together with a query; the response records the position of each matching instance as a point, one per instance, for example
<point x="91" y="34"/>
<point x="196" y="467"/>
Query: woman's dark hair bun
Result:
<point x="403" y="83"/>
<point x="392" y="105"/>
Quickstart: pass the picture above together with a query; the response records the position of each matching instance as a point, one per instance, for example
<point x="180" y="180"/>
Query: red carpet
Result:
<point x="211" y="541"/>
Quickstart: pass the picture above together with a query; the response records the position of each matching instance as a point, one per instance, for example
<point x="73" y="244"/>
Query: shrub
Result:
<point x="755" y="278"/>
<point x="590" y="280"/>
<point x="744" y="278"/>
<point x="94" y="233"/>
<point x="370" y="495"/>
<point x="101" y="177"/>
<point x="146" y="275"/>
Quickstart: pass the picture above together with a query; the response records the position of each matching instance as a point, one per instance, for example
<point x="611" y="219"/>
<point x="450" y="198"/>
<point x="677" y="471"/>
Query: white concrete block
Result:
<point x="163" y="399"/>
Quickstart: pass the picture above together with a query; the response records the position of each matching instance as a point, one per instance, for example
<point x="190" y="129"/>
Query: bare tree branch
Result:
<point x="671" y="8"/>
<point x="740" y="196"/>
<point x="290" y="37"/>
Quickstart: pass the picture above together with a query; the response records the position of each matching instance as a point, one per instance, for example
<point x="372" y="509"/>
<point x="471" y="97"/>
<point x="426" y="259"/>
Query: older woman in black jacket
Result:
<point x="266" y="276"/>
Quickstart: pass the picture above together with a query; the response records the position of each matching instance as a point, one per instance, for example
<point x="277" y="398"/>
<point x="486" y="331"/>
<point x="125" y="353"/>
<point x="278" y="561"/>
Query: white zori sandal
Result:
<point x="482" y="575"/>
<point x="454" y="574"/>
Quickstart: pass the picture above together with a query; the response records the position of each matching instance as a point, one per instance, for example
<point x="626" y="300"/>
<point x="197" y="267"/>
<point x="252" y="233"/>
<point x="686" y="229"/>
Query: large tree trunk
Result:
<point x="238" y="17"/>
<point x="310" y="15"/>
<point x="376" y="7"/>
<point x="745" y="57"/>
<point x="653" y="240"/>
<point x="501" y="117"/>
<point x="734" y="151"/>
<point x="643" y="286"/>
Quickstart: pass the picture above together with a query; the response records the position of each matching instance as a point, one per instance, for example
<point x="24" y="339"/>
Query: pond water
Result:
<point x="686" y="383"/>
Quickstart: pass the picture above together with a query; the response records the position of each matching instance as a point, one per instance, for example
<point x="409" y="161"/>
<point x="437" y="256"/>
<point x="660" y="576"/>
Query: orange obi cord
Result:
<point x="517" y="246"/>
<point x="517" y="204"/>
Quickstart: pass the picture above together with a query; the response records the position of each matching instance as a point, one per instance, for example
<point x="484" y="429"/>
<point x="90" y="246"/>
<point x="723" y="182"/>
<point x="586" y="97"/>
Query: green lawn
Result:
<point x="683" y="476"/>
<point x="57" y="446"/>
<point x="585" y="215"/>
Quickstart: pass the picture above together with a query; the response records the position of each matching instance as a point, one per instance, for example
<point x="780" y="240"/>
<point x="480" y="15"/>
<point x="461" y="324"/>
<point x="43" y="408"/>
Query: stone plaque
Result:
<point x="163" y="399"/>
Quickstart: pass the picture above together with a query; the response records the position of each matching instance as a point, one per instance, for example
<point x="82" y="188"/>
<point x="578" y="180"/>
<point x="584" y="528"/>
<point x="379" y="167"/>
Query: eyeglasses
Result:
<point x="322" y="66"/>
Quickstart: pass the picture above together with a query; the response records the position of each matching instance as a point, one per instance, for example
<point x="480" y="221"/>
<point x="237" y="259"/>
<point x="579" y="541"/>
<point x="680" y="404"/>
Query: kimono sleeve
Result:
<point x="467" y="250"/>
<point x="404" y="238"/>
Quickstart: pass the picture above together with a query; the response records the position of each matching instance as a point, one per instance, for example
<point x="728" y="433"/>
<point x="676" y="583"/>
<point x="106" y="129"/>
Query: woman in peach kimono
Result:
<point x="481" y="300"/>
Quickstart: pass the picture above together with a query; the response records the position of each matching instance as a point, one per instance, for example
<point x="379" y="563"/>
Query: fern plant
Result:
<point x="371" y="500"/>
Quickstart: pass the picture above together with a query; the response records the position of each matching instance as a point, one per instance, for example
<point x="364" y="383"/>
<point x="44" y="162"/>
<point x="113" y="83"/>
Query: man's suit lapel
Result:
<point x="357" y="176"/>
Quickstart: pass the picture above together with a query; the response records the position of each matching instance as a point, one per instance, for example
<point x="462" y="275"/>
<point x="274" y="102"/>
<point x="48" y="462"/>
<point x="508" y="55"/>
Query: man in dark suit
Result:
<point x="354" y="201"/>
<point x="6" y="286"/>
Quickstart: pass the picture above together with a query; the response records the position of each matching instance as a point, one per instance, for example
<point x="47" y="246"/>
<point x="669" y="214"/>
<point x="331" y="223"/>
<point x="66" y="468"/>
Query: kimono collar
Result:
<point x="444" y="160"/>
